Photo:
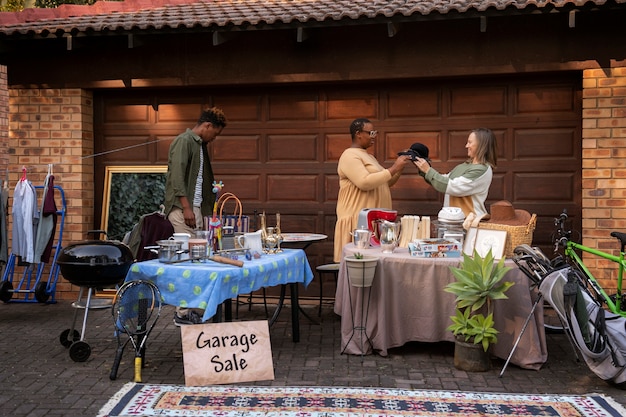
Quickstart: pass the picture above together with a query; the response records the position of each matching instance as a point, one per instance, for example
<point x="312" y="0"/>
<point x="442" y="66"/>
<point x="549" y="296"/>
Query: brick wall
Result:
<point x="604" y="165"/>
<point x="4" y="120"/>
<point x="55" y="126"/>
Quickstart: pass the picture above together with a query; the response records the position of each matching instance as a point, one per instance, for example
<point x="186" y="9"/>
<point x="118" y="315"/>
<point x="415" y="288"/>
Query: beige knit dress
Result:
<point x="363" y="183"/>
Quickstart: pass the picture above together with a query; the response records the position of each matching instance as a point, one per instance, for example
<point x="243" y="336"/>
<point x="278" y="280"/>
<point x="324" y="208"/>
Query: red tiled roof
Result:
<point x="131" y="15"/>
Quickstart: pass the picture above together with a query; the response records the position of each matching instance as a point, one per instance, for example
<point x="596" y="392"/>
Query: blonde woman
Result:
<point x="467" y="185"/>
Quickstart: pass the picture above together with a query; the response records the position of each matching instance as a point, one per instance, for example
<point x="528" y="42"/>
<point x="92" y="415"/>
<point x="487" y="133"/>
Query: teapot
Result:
<point x="361" y="238"/>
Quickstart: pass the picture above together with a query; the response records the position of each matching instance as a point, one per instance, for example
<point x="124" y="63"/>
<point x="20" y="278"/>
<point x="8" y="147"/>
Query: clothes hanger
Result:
<point x="23" y="174"/>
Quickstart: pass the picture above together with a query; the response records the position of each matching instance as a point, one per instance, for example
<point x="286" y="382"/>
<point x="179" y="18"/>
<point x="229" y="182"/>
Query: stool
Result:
<point x="326" y="269"/>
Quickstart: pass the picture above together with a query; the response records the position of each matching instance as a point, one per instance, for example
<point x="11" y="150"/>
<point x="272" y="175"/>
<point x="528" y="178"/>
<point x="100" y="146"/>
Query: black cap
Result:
<point x="421" y="150"/>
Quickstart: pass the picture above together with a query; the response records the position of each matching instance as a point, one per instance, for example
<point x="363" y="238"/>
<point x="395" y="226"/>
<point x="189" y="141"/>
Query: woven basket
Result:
<point x="516" y="235"/>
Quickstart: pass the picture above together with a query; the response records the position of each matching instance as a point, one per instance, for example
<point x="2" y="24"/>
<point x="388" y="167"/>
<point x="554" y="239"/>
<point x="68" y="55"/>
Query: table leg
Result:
<point x="227" y="308"/>
<point x="304" y="313"/>
<point x="217" y="318"/>
<point x="295" y="309"/>
<point x="279" y="307"/>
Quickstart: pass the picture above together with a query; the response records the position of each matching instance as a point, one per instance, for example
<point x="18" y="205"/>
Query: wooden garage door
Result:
<point x="280" y="149"/>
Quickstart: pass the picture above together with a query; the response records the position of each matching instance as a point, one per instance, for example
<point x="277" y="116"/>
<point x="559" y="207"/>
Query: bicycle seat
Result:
<point x="621" y="237"/>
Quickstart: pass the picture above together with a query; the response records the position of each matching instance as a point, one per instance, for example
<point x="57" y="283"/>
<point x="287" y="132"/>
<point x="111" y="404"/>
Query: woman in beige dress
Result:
<point x="363" y="182"/>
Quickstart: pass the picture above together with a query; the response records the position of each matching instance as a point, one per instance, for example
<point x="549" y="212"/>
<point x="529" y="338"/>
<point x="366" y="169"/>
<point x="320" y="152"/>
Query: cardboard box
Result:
<point x="435" y="248"/>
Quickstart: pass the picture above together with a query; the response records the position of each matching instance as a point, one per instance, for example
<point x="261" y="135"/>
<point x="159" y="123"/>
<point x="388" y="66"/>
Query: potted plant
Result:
<point x="361" y="269"/>
<point x="478" y="283"/>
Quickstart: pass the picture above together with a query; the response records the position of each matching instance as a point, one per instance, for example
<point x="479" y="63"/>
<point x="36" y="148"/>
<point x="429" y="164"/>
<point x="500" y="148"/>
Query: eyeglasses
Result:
<point x="372" y="133"/>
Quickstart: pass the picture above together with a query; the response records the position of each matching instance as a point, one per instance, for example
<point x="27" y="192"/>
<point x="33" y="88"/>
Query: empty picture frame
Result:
<point x="470" y="241"/>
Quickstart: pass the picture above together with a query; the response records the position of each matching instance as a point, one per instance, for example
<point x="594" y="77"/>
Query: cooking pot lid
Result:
<point x="169" y="243"/>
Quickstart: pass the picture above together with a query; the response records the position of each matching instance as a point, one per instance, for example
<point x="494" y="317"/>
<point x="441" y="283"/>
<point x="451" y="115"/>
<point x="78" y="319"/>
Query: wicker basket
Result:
<point x="516" y="235"/>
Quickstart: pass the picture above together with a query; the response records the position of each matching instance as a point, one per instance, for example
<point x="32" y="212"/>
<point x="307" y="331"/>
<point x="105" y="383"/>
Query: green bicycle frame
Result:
<point x="570" y="252"/>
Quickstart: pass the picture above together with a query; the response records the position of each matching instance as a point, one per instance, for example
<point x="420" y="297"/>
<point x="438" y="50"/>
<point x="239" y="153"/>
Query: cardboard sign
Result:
<point x="223" y="353"/>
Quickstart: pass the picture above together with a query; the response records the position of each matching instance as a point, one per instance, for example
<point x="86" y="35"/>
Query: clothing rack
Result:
<point x="31" y="285"/>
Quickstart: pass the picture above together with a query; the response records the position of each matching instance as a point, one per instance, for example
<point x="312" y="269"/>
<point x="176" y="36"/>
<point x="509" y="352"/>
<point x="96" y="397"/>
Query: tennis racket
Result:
<point x="136" y="309"/>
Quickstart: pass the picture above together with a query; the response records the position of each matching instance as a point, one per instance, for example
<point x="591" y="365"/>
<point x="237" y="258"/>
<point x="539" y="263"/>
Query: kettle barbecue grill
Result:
<point x="93" y="264"/>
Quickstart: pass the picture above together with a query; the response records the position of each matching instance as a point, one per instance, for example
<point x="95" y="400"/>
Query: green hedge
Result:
<point x="132" y="196"/>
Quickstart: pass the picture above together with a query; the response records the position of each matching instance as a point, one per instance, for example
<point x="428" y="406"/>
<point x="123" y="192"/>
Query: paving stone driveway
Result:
<point x="38" y="378"/>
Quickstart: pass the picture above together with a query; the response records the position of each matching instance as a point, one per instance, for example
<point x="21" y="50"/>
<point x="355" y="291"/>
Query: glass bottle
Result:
<point x="279" y="237"/>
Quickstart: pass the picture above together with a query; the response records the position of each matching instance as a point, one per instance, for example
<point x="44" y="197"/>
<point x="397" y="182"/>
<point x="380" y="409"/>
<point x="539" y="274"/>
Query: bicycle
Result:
<point x="572" y="256"/>
<point x="536" y="265"/>
<point x="568" y="260"/>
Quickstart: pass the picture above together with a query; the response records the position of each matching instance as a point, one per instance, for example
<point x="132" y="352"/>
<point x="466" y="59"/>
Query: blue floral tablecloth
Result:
<point x="207" y="285"/>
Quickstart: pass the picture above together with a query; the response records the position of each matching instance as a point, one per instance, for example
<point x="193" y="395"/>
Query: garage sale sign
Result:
<point x="224" y="353"/>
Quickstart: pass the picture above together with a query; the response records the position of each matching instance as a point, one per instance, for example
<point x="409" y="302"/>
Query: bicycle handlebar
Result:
<point x="560" y="242"/>
<point x="561" y="219"/>
<point x="561" y="235"/>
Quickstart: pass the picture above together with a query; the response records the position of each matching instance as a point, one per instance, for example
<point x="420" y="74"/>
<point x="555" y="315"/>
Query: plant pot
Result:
<point x="470" y="357"/>
<point x="361" y="271"/>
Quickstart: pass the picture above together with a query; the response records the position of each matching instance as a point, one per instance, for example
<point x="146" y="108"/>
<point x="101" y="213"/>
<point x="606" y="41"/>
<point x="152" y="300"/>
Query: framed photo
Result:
<point x="470" y="241"/>
<point x="487" y="239"/>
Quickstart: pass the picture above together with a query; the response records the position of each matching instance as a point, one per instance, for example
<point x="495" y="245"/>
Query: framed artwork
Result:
<point x="487" y="239"/>
<point x="129" y="193"/>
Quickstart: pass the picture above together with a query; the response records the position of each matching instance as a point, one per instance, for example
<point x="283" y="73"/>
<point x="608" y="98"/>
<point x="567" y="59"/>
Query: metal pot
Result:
<point x="168" y="250"/>
<point x="95" y="263"/>
<point x="361" y="238"/>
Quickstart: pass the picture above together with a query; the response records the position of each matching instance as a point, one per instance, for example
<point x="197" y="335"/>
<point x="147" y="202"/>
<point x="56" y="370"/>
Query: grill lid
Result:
<point x="96" y="253"/>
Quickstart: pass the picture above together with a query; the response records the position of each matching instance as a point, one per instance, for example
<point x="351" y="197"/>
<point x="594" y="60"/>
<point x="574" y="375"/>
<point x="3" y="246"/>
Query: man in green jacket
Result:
<point x="189" y="183"/>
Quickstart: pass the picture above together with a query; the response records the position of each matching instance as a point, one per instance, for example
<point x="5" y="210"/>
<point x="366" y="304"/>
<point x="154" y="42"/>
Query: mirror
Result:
<point x="129" y="193"/>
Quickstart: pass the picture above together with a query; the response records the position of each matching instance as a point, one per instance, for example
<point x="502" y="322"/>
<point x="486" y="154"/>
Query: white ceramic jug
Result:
<point x="251" y="241"/>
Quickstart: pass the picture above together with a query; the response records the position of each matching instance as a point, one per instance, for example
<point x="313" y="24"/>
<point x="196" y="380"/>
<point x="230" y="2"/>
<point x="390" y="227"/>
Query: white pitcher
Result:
<point x="251" y="241"/>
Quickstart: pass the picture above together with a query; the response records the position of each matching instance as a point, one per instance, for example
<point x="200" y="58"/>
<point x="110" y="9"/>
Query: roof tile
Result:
<point x="158" y="14"/>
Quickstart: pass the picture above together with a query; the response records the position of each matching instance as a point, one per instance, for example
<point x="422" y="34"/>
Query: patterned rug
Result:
<point x="225" y="401"/>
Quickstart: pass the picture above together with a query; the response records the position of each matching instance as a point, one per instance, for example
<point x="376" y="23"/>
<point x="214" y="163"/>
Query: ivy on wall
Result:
<point x="132" y="196"/>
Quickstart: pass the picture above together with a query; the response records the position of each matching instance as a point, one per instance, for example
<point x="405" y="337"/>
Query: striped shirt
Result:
<point x="197" y="194"/>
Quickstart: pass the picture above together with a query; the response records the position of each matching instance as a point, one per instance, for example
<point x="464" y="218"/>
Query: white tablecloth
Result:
<point x="408" y="303"/>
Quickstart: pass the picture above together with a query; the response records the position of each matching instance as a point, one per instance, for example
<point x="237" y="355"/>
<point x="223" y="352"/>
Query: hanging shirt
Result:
<point x="24" y="216"/>
<point x="149" y="229"/>
<point x="47" y="222"/>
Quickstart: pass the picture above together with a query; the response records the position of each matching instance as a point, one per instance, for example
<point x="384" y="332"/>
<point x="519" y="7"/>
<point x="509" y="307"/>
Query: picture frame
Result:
<point x="116" y="214"/>
<point x="470" y="241"/>
<point x="490" y="239"/>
